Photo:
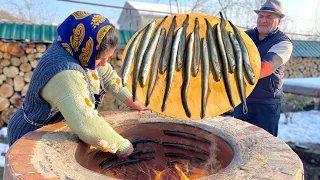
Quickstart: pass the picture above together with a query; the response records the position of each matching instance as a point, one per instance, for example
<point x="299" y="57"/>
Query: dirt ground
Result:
<point x="310" y="156"/>
<point x="1" y="172"/>
<point x="312" y="171"/>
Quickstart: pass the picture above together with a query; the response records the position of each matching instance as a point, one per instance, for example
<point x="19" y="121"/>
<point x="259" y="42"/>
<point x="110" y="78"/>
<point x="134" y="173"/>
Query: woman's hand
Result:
<point x="125" y="153"/>
<point x="126" y="148"/>
<point x="136" y="105"/>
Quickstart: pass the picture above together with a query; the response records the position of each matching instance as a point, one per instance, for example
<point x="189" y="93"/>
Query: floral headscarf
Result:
<point x="81" y="34"/>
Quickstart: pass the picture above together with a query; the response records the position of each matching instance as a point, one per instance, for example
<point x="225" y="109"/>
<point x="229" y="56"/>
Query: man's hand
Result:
<point x="136" y="105"/>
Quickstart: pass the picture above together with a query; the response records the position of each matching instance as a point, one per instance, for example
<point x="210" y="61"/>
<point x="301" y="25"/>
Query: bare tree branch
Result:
<point x="240" y="11"/>
<point x="316" y="18"/>
<point x="196" y="6"/>
<point x="29" y="11"/>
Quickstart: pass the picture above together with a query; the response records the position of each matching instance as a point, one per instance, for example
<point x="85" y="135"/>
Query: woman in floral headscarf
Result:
<point x="70" y="81"/>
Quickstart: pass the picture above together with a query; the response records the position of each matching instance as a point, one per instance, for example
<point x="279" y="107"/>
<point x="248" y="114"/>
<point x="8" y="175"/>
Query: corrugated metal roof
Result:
<point x="124" y="37"/>
<point x="45" y="33"/>
<point x="31" y="32"/>
<point x="306" y="48"/>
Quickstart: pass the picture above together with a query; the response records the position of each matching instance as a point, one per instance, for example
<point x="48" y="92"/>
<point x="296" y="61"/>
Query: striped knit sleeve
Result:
<point x="112" y="82"/>
<point x="68" y="92"/>
<point x="279" y="54"/>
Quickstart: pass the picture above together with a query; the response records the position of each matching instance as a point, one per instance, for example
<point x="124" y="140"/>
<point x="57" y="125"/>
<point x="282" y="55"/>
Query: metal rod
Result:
<point x="139" y="152"/>
<point x="186" y="135"/>
<point x="192" y="159"/>
<point x="134" y="153"/>
<point x="104" y="162"/>
<point x="143" y="140"/>
<point x="99" y="152"/>
<point x="126" y="162"/>
<point x="173" y="163"/>
<point x="186" y="147"/>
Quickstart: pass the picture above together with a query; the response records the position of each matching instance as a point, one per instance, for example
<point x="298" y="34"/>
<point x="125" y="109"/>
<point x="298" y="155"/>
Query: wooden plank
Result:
<point x="217" y="99"/>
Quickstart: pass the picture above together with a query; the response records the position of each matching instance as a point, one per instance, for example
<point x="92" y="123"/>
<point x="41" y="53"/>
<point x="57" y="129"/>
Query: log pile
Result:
<point x="302" y="67"/>
<point x="17" y="61"/>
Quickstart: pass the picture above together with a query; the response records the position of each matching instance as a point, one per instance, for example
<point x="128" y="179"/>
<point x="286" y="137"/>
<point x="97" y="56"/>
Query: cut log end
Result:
<point x="18" y="83"/>
<point x="15" y="49"/>
<point x="5" y="62"/>
<point x="4" y="103"/>
<point x="6" y="56"/>
<point x="41" y="48"/>
<point x="7" y="114"/>
<point x="25" y="67"/>
<point x="3" y="47"/>
<point x="15" y="61"/>
<point x="27" y="76"/>
<point x="16" y="100"/>
<point x="24" y="90"/>
<point x="11" y="71"/>
<point x="6" y="90"/>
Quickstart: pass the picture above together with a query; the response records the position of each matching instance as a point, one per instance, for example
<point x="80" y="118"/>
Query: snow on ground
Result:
<point x="3" y="132"/>
<point x="3" y="147"/>
<point x="303" y="127"/>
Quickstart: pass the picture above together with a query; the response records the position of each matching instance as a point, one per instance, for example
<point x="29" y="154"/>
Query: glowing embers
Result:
<point x="177" y="164"/>
<point x="182" y="152"/>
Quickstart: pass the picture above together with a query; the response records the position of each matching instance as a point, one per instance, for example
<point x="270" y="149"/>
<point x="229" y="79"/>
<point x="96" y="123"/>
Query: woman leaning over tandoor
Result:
<point x="70" y="81"/>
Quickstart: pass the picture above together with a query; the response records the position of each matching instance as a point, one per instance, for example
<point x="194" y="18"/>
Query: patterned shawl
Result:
<point x="81" y="34"/>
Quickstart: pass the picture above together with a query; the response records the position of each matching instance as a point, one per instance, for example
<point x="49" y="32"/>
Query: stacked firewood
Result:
<point x="302" y="67"/>
<point x="17" y="61"/>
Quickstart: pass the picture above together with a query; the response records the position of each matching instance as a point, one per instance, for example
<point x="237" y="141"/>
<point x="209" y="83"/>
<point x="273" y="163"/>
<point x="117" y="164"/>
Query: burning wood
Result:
<point x="178" y="170"/>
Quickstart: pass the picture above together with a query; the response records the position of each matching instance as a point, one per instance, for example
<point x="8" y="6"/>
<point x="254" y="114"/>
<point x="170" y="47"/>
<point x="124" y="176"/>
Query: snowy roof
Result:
<point x="303" y="86"/>
<point x="158" y="7"/>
